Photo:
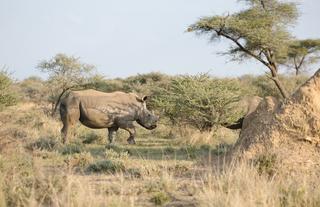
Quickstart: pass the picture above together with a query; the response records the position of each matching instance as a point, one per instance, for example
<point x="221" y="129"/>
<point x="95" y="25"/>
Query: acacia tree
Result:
<point x="199" y="100"/>
<point x="302" y="53"/>
<point x="260" y="31"/>
<point x="65" y="73"/>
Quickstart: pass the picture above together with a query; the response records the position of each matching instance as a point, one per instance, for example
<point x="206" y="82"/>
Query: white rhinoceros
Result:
<point x="97" y="110"/>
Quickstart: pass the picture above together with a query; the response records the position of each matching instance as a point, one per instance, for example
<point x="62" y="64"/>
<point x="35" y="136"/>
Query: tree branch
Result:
<point x="236" y="41"/>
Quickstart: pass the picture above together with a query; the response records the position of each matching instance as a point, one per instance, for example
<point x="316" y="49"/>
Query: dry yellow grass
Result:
<point x="156" y="172"/>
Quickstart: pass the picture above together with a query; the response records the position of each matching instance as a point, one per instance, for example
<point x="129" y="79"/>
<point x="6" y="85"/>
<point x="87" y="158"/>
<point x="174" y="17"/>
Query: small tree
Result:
<point x="302" y="53"/>
<point x="199" y="101"/>
<point x="65" y="73"/>
<point x="7" y="97"/>
<point x="258" y="32"/>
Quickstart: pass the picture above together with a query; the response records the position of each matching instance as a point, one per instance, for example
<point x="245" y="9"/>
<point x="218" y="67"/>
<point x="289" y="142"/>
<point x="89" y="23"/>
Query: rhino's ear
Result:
<point x="143" y="99"/>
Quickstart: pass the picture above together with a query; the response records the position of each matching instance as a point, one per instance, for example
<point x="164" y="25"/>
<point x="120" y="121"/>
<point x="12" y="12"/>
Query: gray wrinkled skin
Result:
<point x="97" y="110"/>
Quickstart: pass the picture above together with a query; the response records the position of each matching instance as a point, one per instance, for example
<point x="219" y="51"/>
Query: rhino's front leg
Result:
<point x="111" y="132"/>
<point x="132" y="132"/>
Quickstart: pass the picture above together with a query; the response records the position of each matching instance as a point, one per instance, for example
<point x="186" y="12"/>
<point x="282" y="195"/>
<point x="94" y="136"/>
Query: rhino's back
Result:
<point x="93" y="98"/>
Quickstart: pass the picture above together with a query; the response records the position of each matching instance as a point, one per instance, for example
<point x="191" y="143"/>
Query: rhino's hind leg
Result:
<point x="111" y="133"/>
<point x="68" y="118"/>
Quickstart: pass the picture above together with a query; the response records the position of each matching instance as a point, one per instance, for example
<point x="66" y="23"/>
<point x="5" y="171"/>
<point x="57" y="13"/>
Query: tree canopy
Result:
<point x="302" y="53"/>
<point x="66" y="72"/>
<point x="260" y="31"/>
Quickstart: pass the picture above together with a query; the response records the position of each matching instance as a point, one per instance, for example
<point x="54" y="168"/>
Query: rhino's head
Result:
<point x="146" y="118"/>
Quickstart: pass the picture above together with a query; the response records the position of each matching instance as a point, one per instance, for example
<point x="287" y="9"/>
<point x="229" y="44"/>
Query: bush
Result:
<point x="114" y="162"/>
<point x="112" y="154"/>
<point x="109" y="85"/>
<point x="71" y="149"/>
<point x="81" y="160"/>
<point x="266" y="164"/>
<point x="106" y="166"/>
<point x="48" y="144"/>
<point x="91" y="137"/>
<point x="146" y="84"/>
<point x="7" y="97"/>
<point x="17" y="177"/>
<point x="134" y="172"/>
<point x="263" y="86"/>
<point x="200" y="101"/>
<point x="33" y="88"/>
<point x="160" y="198"/>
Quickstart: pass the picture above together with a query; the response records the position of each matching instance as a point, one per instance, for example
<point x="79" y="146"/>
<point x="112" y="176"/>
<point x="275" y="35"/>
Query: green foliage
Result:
<point x="66" y="72"/>
<point x="144" y="83"/>
<point x="33" y="88"/>
<point x="160" y="198"/>
<point x="191" y="151"/>
<point x="260" y="31"/>
<point x="48" y="144"/>
<point x="7" y="97"/>
<point x="106" y="166"/>
<point x="109" y="85"/>
<point x="91" y="137"/>
<point x="259" y="28"/>
<point x="302" y="53"/>
<point x="266" y="164"/>
<point x="262" y="85"/>
<point x="80" y="160"/>
<point x="17" y="177"/>
<point x="199" y="100"/>
<point x="116" y="155"/>
<point x="72" y="149"/>
<point x="134" y="172"/>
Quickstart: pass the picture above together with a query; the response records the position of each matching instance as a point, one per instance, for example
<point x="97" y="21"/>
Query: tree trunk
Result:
<point x="281" y="88"/>
<point x="278" y="83"/>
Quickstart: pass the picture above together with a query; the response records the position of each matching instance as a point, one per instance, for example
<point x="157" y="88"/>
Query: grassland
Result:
<point x="167" y="167"/>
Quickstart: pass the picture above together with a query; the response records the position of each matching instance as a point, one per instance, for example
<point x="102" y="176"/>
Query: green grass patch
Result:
<point x="160" y="198"/>
<point x="71" y="149"/>
<point x="106" y="166"/>
<point x="91" y="137"/>
<point x="43" y="143"/>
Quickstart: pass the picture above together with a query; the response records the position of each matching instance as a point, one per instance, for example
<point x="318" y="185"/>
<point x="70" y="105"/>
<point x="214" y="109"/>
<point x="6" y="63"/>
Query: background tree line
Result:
<point x="200" y="101"/>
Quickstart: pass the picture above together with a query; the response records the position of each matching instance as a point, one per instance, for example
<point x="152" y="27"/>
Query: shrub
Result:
<point x="146" y="84"/>
<point x="191" y="151"/>
<point x="116" y="155"/>
<point x="81" y="160"/>
<point x="7" y="97"/>
<point x="33" y="88"/>
<point x="168" y="150"/>
<point x="135" y="172"/>
<point x="200" y="101"/>
<point x="106" y="166"/>
<point x="266" y="164"/>
<point x="48" y="144"/>
<point x="17" y="177"/>
<point x="71" y="149"/>
<point x="263" y="86"/>
<point x="160" y="198"/>
<point x="109" y="85"/>
<point x="91" y="137"/>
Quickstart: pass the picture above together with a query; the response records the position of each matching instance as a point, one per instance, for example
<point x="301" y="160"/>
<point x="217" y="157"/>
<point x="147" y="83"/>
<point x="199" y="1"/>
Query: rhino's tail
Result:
<point x="58" y="102"/>
<point x="236" y="125"/>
